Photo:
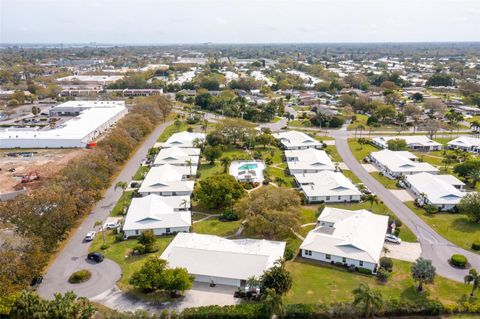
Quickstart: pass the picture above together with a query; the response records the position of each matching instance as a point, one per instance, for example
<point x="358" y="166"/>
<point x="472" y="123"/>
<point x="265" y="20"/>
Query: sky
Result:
<point x="238" y="21"/>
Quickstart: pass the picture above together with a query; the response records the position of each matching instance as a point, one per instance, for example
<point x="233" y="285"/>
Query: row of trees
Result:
<point x="44" y="217"/>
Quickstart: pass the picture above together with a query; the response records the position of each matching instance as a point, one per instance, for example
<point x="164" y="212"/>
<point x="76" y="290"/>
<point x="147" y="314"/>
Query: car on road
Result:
<point x="392" y="239"/>
<point x="98" y="257"/>
<point x="90" y="236"/>
<point x="111" y="225"/>
<point x="36" y="281"/>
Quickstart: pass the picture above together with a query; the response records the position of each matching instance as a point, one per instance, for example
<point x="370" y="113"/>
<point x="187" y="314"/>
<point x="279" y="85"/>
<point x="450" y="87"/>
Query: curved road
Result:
<point x="73" y="255"/>
<point x="434" y="246"/>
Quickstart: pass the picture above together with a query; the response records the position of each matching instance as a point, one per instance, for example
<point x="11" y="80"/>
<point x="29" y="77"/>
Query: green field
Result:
<point x="457" y="228"/>
<point x="387" y="182"/>
<point x="120" y="205"/>
<point x="321" y="283"/>
<point x="140" y="174"/>
<point x="360" y="151"/>
<point x="171" y="129"/>
<point x="214" y="226"/>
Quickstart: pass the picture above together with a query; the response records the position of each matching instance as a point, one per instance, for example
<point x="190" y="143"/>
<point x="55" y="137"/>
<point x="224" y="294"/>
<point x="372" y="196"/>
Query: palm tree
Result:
<point x="423" y="271"/>
<point x="474" y="278"/>
<point x="189" y="163"/>
<point x="280" y="181"/>
<point x="225" y="163"/>
<point x="474" y="176"/>
<point x="252" y="283"/>
<point x="204" y="126"/>
<point x="372" y="198"/>
<point x="370" y="299"/>
<point x="273" y="302"/>
<point x="184" y="203"/>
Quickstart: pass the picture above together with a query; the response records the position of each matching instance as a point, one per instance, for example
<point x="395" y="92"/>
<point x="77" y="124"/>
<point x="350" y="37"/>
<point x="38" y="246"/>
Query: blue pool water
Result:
<point x="248" y="166"/>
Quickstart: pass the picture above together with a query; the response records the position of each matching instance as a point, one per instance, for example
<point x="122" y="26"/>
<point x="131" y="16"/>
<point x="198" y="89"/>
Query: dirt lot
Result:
<point x="45" y="162"/>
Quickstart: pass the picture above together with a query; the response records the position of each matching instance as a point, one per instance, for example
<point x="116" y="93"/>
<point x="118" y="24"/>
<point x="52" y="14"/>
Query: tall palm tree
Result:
<point x="372" y="198"/>
<point x="225" y="163"/>
<point x="473" y="277"/>
<point x="204" y="126"/>
<point x="273" y="302"/>
<point x="474" y="175"/>
<point x="189" y="163"/>
<point x="252" y="283"/>
<point x="370" y="299"/>
<point x="184" y="203"/>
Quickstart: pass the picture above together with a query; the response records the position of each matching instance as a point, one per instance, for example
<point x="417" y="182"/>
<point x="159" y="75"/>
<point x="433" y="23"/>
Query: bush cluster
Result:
<point x="79" y="276"/>
<point x="459" y="260"/>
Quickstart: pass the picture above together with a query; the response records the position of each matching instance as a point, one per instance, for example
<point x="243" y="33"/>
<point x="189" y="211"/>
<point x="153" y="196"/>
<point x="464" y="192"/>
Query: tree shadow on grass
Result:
<point x="462" y="223"/>
<point x="411" y="294"/>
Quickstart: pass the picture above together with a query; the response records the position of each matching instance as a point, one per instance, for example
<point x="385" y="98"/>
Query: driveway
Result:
<point x="405" y="251"/>
<point x="72" y="256"/>
<point x="402" y="195"/>
<point x="434" y="246"/>
<point x="200" y="295"/>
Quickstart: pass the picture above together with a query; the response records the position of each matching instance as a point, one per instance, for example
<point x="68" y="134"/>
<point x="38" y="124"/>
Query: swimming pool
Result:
<point x="248" y="166"/>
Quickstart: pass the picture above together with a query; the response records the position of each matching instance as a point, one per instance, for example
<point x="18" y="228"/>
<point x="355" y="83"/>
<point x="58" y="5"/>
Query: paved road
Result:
<point x="434" y="246"/>
<point x="73" y="255"/>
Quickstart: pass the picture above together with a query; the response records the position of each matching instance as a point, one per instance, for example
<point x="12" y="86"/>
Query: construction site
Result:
<point x="26" y="169"/>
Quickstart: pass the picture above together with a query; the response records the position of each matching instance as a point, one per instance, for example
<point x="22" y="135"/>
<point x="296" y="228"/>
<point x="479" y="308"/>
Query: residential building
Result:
<point x="163" y="214"/>
<point x="294" y="140"/>
<point x="309" y="160"/>
<point x="179" y="156"/>
<point x="465" y="143"/>
<point x="221" y="261"/>
<point x="394" y="164"/>
<point x="442" y="191"/>
<point x="352" y="237"/>
<point x="327" y="187"/>
<point x="184" y="139"/>
<point x="167" y="180"/>
<point x="414" y="142"/>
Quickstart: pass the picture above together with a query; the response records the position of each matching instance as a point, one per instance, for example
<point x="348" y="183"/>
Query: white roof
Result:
<point x="166" y="178"/>
<point x="308" y="159"/>
<point x="94" y="116"/>
<point x="214" y="256"/>
<point x="400" y="162"/>
<point x="183" y="139"/>
<point x="465" y="141"/>
<point x="439" y="189"/>
<point x="411" y="140"/>
<point x="154" y="211"/>
<point x="326" y="183"/>
<point x="91" y="78"/>
<point x="179" y="156"/>
<point x="356" y="234"/>
<point x="293" y="139"/>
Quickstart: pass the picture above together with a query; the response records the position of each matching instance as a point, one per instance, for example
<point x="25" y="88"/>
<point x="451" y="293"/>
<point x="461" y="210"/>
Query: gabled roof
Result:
<point x="465" y="141"/>
<point x="183" y="139"/>
<point x="166" y="178"/>
<point x="355" y="234"/>
<point x="154" y="211"/>
<point x="292" y="139"/>
<point x="326" y="183"/>
<point x="411" y="140"/>
<point x="438" y="189"/>
<point x="308" y="159"/>
<point x="400" y="162"/>
<point x="214" y="256"/>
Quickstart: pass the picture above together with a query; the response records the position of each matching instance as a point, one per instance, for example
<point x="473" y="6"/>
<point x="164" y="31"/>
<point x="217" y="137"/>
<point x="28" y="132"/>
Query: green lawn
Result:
<point x="141" y="172"/>
<point x="120" y="253"/>
<point x="362" y="120"/>
<point x="351" y="175"/>
<point x="320" y="283"/>
<point x="214" y="226"/>
<point x="387" y="182"/>
<point x="120" y="205"/>
<point x="300" y="123"/>
<point x="457" y="228"/>
<point x="333" y="153"/>
<point x="171" y="129"/>
<point x="360" y="151"/>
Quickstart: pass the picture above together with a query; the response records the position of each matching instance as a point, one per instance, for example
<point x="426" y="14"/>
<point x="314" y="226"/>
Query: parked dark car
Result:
<point x="98" y="257"/>
<point x="36" y="281"/>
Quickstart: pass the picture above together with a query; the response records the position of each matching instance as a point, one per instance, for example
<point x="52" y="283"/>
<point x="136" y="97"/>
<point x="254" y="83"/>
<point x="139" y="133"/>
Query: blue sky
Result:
<point x="238" y="21"/>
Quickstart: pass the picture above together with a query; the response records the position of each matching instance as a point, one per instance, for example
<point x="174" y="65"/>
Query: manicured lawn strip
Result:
<point x="333" y="153"/>
<point x="305" y="230"/>
<point x="123" y="202"/>
<point x="120" y="253"/>
<point x="380" y="208"/>
<point x="276" y="119"/>
<point x="207" y="169"/>
<point x="351" y="175"/>
<point x="457" y="228"/>
<point x="171" y="129"/>
<point x="309" y="214"/>
<point x="319" y="283"/>
<point x="300" y="123"/>
<point x="360" y="151"/>
<point x="214" y="226"/>
<point x="387" y="182"/>
<point x="141" y="172"/>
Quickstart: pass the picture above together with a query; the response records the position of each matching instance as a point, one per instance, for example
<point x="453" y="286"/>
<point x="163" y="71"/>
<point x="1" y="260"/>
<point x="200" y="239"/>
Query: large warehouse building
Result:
<point x="92" y="119"/>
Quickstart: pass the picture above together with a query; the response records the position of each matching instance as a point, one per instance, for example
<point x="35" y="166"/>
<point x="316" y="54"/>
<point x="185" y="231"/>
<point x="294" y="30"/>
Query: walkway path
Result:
<point x="434" y="246"/>
<point x="74" y="253"/>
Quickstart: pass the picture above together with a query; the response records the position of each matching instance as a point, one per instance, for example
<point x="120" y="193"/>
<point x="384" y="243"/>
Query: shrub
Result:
<point x="459" y="260"/>
<point x="139" y="249"/>
<point x="229" y="215"/>
<point x="119" y="237"/>
<point x="383" y="275"/>
<point x="266" y="181"/>
<point x="431" y="209"/>
<point x="386" y="263"/>
<point x="289" y="253"/>
<point x="247" y="311"/>
<point x="104" y="246"/>
<point x="476" y="245"/>
<point x="365" y="271"/>
<point x="79" y="276"/>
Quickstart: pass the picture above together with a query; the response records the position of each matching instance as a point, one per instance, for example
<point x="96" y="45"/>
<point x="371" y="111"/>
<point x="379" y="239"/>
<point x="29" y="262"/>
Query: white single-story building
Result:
<point x="294" y="140"/>
<point x="179" y="156"/>
<point x="443" y="191"/>
<point x="327" y="187"/>
<point x="414" y="142"/>
<point x="247" y="171"/>
<point x="308" y="161"/>
<point x="394" y="164"/>
<point x="163" y="214"/>
<point x="465" y="143"/>
<point x="167" y="180"/>
<point x="353" y="238"/>
<point x="221" y="261"/>
<point x="92" y="119"/>
<point x="184" y="139"/>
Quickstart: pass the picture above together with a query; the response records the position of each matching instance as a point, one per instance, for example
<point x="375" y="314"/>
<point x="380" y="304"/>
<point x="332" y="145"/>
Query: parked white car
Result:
<point x="90" y="236"/>
<point x="392" y="239"/>
<point x="111" y="225"/>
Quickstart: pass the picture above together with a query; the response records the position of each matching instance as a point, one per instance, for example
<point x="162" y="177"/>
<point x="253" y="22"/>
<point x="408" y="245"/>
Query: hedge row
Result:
<point x="241" y="311"/>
